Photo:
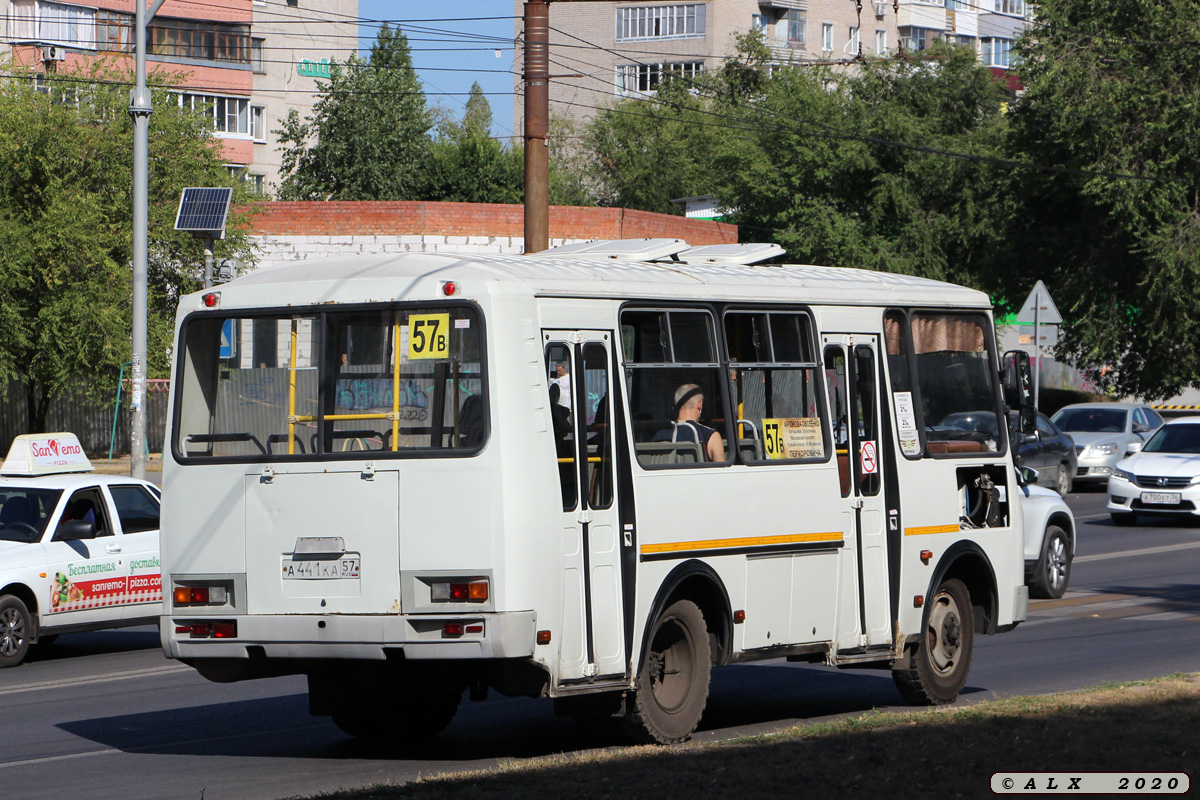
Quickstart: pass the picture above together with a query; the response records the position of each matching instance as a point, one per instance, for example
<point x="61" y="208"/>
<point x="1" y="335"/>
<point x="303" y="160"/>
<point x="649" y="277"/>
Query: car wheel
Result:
<point x="1123" y="520"/>
<point x="1064" y="480"/>
<point x="935" y="670"/>
<point x="16" y="629"/>
<point x="1054" y="566"/>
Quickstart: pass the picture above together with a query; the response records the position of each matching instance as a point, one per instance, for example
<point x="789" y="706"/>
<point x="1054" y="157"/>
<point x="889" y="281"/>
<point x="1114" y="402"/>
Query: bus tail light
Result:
<point x="459" y="628"/>
<point x="459" y="592"/>
<point x="200" y="596"/>
<point x="206" y="630"/>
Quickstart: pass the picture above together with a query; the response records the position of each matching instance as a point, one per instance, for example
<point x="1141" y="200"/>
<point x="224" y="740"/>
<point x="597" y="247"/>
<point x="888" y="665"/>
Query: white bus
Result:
<point x="372" y="479"/>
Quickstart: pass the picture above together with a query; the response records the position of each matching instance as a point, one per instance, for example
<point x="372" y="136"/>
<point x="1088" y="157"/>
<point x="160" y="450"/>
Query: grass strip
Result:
<point x="1145" y="726"/>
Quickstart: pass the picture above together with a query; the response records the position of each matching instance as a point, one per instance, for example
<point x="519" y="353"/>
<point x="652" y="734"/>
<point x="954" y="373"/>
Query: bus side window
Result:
<point x="564" y="436"/>
<point x="835" y="382"/>
<point x="678" y="412"/>
<point x="773" y="383"/>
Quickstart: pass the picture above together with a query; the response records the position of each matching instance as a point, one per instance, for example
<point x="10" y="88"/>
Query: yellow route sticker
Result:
<point x="793" y="437"/>
<point x="428" y="336"/>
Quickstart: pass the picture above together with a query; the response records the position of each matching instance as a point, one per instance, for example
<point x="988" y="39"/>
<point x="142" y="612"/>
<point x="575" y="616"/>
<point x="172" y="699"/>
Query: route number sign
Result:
<point x="428" y="336"/>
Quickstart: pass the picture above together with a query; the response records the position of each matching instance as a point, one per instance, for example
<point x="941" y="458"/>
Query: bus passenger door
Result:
<point x="592" y="645"/>
<point x="852" y="375"/>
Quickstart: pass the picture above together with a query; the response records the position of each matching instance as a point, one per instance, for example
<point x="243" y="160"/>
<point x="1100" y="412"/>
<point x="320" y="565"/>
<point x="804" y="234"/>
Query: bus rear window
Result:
<point x="331" y="384"/>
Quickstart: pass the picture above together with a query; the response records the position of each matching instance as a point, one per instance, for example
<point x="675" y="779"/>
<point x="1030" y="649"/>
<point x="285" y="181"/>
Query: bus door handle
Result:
<point x="584" y="516"/>
<point x="115" y="547"/>
<point x="858" y="503"/>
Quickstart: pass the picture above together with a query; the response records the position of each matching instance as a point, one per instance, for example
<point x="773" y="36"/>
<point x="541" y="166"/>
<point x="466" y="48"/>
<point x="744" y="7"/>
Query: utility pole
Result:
<point x="140" y="109"/>
<point x="537" y="125"/>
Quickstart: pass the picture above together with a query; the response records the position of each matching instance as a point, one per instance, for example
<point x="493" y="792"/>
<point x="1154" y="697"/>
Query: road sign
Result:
<point x="1040" y="305"/>
<point x="228" y="350"/>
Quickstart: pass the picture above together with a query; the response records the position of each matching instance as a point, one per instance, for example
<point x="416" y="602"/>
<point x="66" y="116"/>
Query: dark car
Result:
<point x="1049" y="451"/>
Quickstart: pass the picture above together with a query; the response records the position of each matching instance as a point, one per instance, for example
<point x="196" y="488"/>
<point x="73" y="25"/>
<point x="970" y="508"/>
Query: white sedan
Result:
<point x="78" y="551"/>
<point x="1161" y="480"/>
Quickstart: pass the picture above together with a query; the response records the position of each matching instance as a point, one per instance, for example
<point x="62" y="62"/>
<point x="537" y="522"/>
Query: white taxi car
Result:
<point x="78" y="550"/>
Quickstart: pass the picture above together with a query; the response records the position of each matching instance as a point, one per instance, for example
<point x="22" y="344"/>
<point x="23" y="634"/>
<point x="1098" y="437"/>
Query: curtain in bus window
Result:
<point x="676" y="392"/>
<point x="955" y="383"/>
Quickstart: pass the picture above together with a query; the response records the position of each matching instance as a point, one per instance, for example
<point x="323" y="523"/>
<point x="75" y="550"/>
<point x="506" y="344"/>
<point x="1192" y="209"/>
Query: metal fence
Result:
<point x="91" y="421"/>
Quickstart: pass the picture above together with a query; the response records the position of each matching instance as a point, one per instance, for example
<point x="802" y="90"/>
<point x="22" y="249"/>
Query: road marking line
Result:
<point x="48" y="759"/>
<point x="1143" y="552"/>
<point x="115" y="676"/>
<point x="1078" y="601"/>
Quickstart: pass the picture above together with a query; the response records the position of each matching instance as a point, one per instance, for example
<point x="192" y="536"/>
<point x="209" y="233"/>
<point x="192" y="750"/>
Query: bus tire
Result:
<point x="1053" y="569"/>
<point x="934" y="671"/>
<point x="673" y="679"/>
<point x="16" y="630"/>
<point x="410" y="719"/>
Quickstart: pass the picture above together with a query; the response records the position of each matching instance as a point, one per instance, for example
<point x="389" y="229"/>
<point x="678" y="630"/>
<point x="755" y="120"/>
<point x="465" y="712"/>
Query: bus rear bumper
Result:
<point x="369" y="637"/>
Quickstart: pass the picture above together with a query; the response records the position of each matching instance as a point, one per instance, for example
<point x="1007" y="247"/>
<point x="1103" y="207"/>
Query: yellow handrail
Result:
<point x="396" y="383"/>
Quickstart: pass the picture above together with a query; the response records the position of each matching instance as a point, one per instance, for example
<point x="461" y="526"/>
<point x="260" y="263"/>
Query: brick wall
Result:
<point x="290" y="231"/>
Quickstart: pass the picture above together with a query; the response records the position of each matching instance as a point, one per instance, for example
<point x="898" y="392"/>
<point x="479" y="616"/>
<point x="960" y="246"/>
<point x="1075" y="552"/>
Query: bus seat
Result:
<point x="669" y="452"/>
<point x="749" y="450"/>
<point x="278" y="438"/>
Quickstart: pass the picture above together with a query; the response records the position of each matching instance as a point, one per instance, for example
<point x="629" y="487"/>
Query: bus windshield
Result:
<point x="331" y="383"/>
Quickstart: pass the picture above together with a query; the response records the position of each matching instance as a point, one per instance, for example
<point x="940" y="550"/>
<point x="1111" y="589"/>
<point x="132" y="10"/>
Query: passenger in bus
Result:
<point x="560" y="417"/>
<point x="563" y="381"/>
<point x="689" y="404"/>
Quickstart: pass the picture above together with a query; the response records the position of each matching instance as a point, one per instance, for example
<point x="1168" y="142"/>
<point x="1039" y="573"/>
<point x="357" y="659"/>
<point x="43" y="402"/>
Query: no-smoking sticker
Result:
<point x="870" y="459"/>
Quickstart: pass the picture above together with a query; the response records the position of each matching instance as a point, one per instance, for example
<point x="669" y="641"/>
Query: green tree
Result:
<point x="368" y="136"/>
<point x="65" y="231"/>
<point x="1111" y="96"/>
<point x="467" y="165"/>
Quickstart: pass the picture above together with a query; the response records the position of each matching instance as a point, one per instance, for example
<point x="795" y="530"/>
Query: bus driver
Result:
<point x="689" y="402"/>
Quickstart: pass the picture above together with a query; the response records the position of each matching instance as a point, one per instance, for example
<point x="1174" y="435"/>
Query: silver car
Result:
<point x="1105" y="433"/>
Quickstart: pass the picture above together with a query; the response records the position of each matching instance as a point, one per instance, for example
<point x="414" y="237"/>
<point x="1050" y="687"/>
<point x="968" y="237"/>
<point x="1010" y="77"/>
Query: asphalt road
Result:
<point x="103" y="715"/>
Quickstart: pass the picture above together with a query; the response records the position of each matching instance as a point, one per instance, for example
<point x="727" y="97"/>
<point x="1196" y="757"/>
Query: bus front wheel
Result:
<point x="672" y="687"/>
<point x="934" y="671"/>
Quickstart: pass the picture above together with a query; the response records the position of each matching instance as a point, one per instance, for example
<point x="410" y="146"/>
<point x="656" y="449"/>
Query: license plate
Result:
<point x="320" y="570"/>
<point x="1161" y="498"/>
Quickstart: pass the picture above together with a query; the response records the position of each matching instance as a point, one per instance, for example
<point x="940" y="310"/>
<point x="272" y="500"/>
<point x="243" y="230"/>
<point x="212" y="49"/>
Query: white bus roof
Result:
<point x="384" y="278"/>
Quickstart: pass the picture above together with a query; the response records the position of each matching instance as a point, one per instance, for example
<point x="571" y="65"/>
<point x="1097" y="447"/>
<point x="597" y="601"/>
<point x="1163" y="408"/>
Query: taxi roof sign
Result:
<point x="45" y="454"/>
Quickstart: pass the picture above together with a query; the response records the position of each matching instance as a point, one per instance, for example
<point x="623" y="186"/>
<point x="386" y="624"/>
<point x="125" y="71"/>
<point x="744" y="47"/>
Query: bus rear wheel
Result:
<point x="934" y="671"/>
<point x="673" y="679"/>
<point x="411" y="718"/>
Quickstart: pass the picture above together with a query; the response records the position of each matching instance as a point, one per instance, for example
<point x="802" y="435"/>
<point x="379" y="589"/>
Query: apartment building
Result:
<point x="245" y="62"/>
<point x="604" y="50"/>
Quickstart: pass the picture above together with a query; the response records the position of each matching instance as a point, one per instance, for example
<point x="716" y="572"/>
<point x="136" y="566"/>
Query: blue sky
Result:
<point x="450" y="54"/>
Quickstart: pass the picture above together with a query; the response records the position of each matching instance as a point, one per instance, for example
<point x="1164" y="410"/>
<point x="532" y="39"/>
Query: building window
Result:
<point x="258" y="123"/>
<point x="995" y="52"/>
<point x="795" y="20"/>
<point x="53" y="23"/>
<point x="230" y="115"/>
<point x="759" y="22"/>
<point x="853" y="44"/>
<point x="880" y="43"/>
<point x="645" y="78"/>
<point x="257" y="63"/>
<point x="206" y="41"/>
<point x="1010" y="7"/>
<point x="827" y="36"/>
<point x="918" y="38"/>
<point x="660" y="22"/>
<point x="114" y="31"/>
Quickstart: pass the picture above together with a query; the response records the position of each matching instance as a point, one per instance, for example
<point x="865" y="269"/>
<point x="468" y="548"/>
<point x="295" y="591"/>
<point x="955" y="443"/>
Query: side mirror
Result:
<point x="1026" y="476"/>
<point x="1133" y="447"/>
<point x="1017" y="380"/>
<point x="75" y="529"/>
<point x="1141" y="427"/>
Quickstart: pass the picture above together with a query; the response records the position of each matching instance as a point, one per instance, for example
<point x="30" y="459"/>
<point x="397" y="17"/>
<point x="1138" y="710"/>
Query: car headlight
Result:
<point x="1125" y="475"/>
<point x="1102" y="449"/>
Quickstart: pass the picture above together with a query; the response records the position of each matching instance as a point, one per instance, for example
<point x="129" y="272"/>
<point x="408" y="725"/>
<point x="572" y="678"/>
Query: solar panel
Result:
<point x="203" y="209"/>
